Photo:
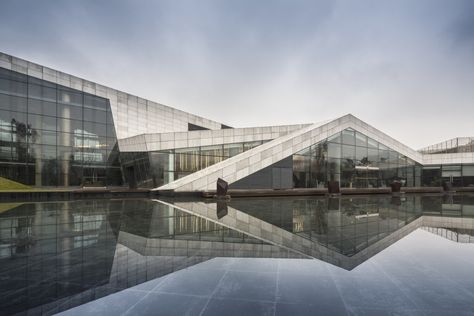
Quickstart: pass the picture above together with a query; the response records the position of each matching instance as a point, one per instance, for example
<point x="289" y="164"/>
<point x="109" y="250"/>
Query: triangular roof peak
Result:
<point x="351" y="121"/>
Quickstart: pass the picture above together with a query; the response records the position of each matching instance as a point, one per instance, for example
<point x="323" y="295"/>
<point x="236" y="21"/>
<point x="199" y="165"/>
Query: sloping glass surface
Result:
<point x="349" y="157"/>
<point x="356" y="161"/>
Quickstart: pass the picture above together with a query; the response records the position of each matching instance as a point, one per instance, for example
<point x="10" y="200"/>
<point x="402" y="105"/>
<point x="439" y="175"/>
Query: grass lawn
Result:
<point x="9" y="185"/>
<point x="8" y="206"/>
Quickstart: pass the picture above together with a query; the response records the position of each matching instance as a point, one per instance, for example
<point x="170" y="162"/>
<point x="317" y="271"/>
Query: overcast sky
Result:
<point x="406" y="67"/>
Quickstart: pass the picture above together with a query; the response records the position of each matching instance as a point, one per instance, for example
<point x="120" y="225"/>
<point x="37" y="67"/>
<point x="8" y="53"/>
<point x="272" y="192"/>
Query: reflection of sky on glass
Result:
<point x="421" y="274"/>
<point x="393" y="63"/>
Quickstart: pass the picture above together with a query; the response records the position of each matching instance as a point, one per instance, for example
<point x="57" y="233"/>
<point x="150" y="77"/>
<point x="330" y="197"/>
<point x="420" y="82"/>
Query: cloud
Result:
<point x="406" y="67"/>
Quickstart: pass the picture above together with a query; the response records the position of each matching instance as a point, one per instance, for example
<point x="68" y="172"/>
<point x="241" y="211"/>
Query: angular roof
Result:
<point x="132" y="115"/>
<point x="165" y="141"/>
<point x="251" y="161"/>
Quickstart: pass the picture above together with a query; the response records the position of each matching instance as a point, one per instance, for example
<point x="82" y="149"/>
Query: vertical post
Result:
<point x="66" y="142"/>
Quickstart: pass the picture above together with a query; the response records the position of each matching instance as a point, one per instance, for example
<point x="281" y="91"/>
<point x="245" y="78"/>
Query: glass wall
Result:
<point x="356" y="161"/>
<point x="51" y="135"/>
<point x="461" y="175"/>
<point x="153" y="169"/>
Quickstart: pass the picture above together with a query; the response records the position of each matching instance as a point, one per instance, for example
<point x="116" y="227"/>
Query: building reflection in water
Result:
<point x="57" y="255"/>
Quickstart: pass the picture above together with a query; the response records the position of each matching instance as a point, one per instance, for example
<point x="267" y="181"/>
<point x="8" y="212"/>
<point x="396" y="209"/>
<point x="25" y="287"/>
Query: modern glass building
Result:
<point x="58" y="130"/>
<point x="52" y="135"/>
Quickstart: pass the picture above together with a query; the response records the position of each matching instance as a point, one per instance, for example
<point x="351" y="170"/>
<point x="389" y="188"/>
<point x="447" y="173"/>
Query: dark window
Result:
<point x="193" y="127"/>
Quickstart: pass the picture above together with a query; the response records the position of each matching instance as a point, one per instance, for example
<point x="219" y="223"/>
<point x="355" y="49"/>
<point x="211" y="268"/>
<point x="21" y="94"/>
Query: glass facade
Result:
<point x="356" y="161"/>
<point x="51" y="135"/>
<point x="460" y="175"/>
<point x="156" y="168"/>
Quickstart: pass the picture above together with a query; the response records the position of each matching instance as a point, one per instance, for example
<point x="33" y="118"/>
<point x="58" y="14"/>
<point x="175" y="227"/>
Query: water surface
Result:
<point x="375" y="255"/>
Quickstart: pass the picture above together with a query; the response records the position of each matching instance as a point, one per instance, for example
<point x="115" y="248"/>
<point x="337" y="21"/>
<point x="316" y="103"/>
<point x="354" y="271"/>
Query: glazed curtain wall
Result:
<point x="153" y="169"/>
<point x="354" y="160"/>
<point x="51" y="135"/>
<point x="459" y="175"/>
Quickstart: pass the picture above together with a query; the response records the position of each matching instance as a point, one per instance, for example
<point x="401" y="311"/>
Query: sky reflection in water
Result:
<point x="378" y="255"/>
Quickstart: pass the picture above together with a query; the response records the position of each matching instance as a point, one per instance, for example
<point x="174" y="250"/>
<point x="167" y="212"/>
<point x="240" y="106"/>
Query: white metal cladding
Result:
<point x="132" y="115"/>
<point x="163" y="141"/>
<point x="446" y="159"/>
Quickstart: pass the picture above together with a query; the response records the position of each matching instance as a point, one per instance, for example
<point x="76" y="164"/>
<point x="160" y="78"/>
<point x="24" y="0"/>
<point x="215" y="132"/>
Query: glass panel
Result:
<point x="301" y="163"/>
<point x="94" y="142"/>
<point x="69" y="173"/>
<point x="46" y="172"/>
<point x="114" y="177"/>
<point x="69" y="111"/>
<point x="384" y="156"/>
<point x="372" y="156"/>
<point x="334" y="150"/>
<point x="12" y="75"/>
<point x="43" y="137"/>
<point x="42" y="107"/>
<point x="42" y="151"/>
<point x="362" y="156"/>
<point x="347" y="173"/>
<point x="187" y="160"/>
<point x="42" y="122"/>
<point x="360" y="179"/>
<point x="251" y="145"/>
<point x="207" y="161"/>
<point x="231" y="150"/>
<point x="372" y="143"/>
<point x="348" y="137"/>
<point x="348" y="152"/>
<point x="69" y="126"/>
<point x="431" y="176"/>
<point x="212" y="151"/>
<point x="8" y="102"/>
<point x="15" y="88"/>
<point x="320" y="151"/>
<point x="336" y="138"/>
<point x="361" y="139"/>
<point x="189" y="151"/>
<point x="41" y="92"/>
<point x="111" y="131"/>
<point x="9" y="118"/>
<point x="162" y="161"/>
<point x="451" y="171"/>
<point x="468" y="170"/>
<point x="334" y="165"/>
<point x="94" y="156"/>
<point x="94" y="102"/>
<point x="94" y="176"/>
<point x="92" y="128"/>
<point x="393" y="157"/>
<point x="94" y="115"/>
<point x="69" y="96"/>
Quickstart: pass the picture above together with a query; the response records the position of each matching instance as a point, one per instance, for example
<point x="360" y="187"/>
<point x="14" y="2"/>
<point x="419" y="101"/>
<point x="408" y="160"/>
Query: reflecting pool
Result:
<point x="350" y="255"/>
